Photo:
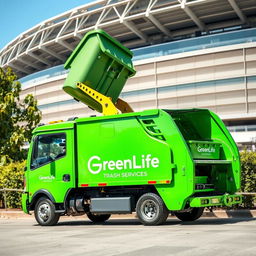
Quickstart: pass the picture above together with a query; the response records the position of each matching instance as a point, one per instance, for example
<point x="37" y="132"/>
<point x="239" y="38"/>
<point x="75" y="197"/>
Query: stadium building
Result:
<point x="187" y="53"/>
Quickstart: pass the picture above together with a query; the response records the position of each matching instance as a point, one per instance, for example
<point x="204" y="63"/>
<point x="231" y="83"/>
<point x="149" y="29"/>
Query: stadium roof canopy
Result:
<point x="135" y="23"/>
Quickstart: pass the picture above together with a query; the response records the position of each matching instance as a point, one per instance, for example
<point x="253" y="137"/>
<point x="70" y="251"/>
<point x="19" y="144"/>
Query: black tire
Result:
<point x="45" y="213"/>
<point x="97" y="218"/>
<point x="151" y="210"/>
<point x="192" y="215"/>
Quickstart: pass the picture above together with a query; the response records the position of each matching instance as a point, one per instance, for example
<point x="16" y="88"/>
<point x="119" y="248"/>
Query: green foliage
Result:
<point x="248" y="176"/>
<point x="17" y="118"/>
<point x="11" y="176"/>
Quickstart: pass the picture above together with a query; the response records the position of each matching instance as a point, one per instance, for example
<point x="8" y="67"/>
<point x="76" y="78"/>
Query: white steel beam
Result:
<point x="103" y="15"/>
<point x="64" y="44"/>
<point x="11" y="54"/>
<point x="238" y="11"/>
<point x="45" y="36"/>
<point x="44" y="60"/>
<point x="159" y="25"/>
<point x="81" y="22"/>
<point x="132" y="27"/>
<point x="127" y="9"/>
<point x="66" y="23"/>
<point x="79" y="36"/>
<point x="54" y="54"/>
<point x="151" y="5"/>
<point x="191" y="14"/>
<point x="32" y="41"/>
<point x="198" y="22"/>
<point x="33" y="65"/>
<point x="117" y="12"/>
<point x="22" y="69"/>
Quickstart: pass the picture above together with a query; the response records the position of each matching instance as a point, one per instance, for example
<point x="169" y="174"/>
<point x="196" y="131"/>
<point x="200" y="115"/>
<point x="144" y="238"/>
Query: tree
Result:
<point x="17" y="118"/>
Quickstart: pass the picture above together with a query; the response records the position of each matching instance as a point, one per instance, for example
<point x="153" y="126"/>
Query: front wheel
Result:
<point x="193" y="214"/>
<point x="97" y="218"/>
<point x="151" y="209"/>
<point x="45" y="212"/>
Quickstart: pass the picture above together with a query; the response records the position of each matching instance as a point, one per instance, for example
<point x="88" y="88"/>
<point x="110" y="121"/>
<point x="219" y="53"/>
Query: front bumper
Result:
<point x="223" y="200"/>
<point x="24" y="200"/>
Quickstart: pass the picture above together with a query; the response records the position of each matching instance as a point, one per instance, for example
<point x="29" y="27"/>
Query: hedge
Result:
<point x="248" y="177"/>
<point x="11" y="176"/>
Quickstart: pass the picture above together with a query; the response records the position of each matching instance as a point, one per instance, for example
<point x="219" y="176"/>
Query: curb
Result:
<point x="18" y="214"/>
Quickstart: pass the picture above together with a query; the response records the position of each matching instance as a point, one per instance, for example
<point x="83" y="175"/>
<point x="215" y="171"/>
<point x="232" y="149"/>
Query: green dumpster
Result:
<point x="100" y="62"/>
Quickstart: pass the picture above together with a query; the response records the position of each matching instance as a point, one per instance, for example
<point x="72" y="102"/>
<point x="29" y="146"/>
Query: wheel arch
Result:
<point x="38" y="194"/>
<point x="158" y="213"/>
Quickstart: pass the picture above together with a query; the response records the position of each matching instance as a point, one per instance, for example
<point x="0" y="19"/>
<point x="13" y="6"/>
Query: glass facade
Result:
<point x="198" y="43"/>
<point x="42" y="75"/>
<point x="165" y="89"/>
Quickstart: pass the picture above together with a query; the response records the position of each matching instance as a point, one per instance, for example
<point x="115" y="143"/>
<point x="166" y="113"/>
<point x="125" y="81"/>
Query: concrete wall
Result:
<point x="222" y="79"/>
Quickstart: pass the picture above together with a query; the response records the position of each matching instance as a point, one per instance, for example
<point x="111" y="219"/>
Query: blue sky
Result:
<point x="18" y="16"/>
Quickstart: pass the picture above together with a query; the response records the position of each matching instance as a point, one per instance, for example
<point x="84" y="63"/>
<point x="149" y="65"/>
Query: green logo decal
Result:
<point x="96" y="164"/>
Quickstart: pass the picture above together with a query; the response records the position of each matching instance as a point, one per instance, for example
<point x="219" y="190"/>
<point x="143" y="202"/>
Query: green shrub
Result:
<point x="11" y="176"/>
<point x="248" y="176"/>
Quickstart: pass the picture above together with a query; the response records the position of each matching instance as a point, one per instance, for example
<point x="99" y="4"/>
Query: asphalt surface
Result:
<point x="124" y="237"/>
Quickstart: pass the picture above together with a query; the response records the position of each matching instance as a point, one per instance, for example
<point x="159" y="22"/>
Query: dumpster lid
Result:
<point x="103" y="34"/>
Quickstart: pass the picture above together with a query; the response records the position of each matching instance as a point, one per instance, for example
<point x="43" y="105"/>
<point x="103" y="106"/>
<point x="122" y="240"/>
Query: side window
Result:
<point x="48" y="148"/>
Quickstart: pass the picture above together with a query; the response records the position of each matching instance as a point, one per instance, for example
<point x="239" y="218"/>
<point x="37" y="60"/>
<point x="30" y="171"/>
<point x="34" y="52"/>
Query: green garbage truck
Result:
<point x="152" y="162"/>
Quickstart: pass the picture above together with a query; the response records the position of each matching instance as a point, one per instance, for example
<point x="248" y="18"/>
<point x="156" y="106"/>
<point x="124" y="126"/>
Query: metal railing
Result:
<point x="5" y="190"/>
<point x="247" y="193"/>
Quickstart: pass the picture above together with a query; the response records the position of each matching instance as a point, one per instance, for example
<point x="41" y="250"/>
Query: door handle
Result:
<point x="66" y="177"/>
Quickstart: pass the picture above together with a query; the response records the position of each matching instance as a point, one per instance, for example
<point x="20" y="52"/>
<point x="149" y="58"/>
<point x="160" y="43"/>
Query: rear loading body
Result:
<point x="117" y="164"/>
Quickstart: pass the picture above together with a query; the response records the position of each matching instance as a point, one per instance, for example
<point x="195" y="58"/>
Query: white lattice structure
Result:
<point x="134" y="23"/>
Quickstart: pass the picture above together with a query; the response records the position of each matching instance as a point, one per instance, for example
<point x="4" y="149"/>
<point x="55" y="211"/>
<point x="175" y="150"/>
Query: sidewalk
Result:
<point x="18" y="214"/>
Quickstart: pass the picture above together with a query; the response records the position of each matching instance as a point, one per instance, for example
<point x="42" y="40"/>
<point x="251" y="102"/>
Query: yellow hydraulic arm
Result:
<point x="108" y="107"/>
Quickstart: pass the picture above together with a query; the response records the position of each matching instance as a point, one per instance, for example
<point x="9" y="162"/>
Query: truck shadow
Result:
<point x="170" y="221"/>
<point x="111" y="222"/>
<point x="209" y="221"/>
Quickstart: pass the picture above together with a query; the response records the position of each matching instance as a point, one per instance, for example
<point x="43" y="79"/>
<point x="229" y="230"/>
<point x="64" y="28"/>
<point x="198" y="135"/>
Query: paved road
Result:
<point x="125" y="237"/>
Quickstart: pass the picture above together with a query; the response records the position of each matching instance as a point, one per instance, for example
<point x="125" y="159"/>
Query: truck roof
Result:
<point x="70" y="124"/>
<point x="58" y="126"/>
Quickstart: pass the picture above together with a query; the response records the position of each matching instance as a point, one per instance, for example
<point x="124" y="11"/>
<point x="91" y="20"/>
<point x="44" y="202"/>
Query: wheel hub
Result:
<point x="149" y="209"/>
<point x="44" y="212"/>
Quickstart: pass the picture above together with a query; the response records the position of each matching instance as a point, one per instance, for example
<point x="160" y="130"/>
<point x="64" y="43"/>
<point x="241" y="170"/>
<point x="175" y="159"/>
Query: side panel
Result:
<point x="51" y="176"/>
<point x="120" y="152"/>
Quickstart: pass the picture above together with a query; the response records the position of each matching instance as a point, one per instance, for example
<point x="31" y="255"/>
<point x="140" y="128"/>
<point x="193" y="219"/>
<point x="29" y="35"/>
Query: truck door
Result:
<point x="51" y="164"/>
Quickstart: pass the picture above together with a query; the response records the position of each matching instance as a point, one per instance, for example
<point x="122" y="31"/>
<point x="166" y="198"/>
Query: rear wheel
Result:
<point x="45" y="212"/>
<point x="97" y="218"/>
<point x="193" y="214"/>
<point x="151" y="210"/>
